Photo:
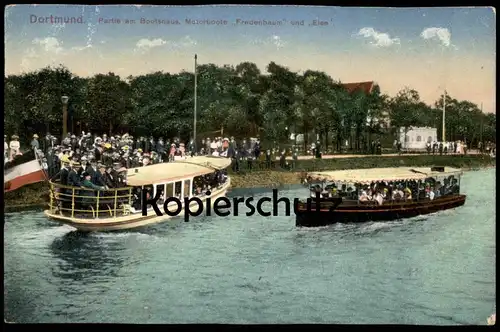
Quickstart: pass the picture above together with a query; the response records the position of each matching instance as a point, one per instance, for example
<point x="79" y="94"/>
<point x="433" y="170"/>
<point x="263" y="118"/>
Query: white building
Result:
<point x="417" y="138"/>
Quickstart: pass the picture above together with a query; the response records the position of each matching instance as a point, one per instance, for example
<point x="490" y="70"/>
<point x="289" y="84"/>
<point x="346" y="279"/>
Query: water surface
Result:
<point x="437" y="269"/>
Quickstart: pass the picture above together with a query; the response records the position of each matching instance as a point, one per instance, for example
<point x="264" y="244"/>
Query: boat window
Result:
<point x="149" y="189"/>
<point x="429" y="139"/>
<point x="187" y="188"/>
<point x="160" y="190"/>
<point x="419" y="138"/>
<point x="178" y="187"/>
<point x="169" y="190"/>
<point x="199" y="185"/>
<point x="407" y="138"/>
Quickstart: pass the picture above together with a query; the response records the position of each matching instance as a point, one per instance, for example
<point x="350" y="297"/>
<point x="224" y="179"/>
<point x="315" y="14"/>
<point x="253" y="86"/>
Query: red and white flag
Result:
<point x="23" y="174"/>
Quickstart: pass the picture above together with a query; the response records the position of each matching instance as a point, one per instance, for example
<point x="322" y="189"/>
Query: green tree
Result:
<point x="238" y="100"/>
<point x="406" y="111"/>
<point x="108" y="102"/>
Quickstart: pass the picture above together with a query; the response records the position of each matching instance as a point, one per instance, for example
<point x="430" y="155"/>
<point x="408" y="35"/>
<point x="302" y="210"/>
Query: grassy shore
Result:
<point x="37" y="194"/>
<point x="276" y="178"/>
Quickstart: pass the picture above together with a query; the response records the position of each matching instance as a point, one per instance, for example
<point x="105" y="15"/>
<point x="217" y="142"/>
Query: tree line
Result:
<point x="239" y="101"/>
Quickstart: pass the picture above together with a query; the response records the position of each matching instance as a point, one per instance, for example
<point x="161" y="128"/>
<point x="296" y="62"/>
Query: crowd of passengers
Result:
<point x="89" y="182"/>
<point x="382" y="192"/>
<point x="201" y="186"/>
<point x="85" y="198"/>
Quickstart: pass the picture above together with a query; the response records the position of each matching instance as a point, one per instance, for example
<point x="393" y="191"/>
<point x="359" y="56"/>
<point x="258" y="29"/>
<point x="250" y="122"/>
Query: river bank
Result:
<point x="272" y="179"/>
<point x="36" y="195"/>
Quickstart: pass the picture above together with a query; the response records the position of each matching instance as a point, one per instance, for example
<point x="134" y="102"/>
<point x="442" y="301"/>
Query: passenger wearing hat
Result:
<point x="111" y="177"/>
<point x="225" y="143"/>
<point x="106" y="156"/>
<point x="232" y="142"/>
<point x="407" y="193"/>
<point x="91" y="168"/>
<point x="81" y="169"/>
<point x="149" y="145"/>
<point x="182" y="149"/>
<point x="121" y="176"/>
<point x="146" y="159"/>
<point x="88" y="195"/>
<point x="98" y="149"/>
<point x="397" y="193"/>
<point x="172" y="152"/>
<point x="88" y="142"/>
<point x="73" y="142"/>
<point x="64" y="173"/>
<point x="213" y="146"/>
<point x="134" y="160"/>
<point x="66" y="140"/>
<point x="74" y="176"/>
<point x="64" y="156"/>
<point x="143" y="143"/>
<point x="207" y="146"/>
<point x="153" y="157"/>
<point x="191" y="148"/>
<point x="34" y="143"/>
<point x="97" y="141"/>
<point x="160" y="148"/>
<point x="231" y="151"/>
<point x="87" y="183"/>
<point x="14" y="146"/>
<point x="385" y="193"/>
<point x="378" y="197"/>
<point x="99" y="176"/>
<point x="47" y="143"/>
<point x="137" y="144"/>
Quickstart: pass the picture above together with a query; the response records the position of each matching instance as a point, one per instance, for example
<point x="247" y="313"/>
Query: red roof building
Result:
<point x="365" y="87"/>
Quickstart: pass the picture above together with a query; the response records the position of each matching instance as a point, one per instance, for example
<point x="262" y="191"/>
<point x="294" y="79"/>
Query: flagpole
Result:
<point x="444" y="114"/>
<point x="195" y="99"/>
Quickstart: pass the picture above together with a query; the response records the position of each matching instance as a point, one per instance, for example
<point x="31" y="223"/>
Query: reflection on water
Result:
<point x="424" y="270"/>
<point x="78" y="259"/>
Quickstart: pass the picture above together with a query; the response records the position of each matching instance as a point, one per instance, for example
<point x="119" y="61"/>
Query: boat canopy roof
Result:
<point x="176" y="170"/>
<point x="382" y="174"/>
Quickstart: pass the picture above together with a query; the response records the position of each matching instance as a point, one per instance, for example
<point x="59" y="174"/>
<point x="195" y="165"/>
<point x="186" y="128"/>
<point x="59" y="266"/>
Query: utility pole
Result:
<point x="481" y="132"/>
<point x="195" y="98"/>
<point x="444" y="114"/>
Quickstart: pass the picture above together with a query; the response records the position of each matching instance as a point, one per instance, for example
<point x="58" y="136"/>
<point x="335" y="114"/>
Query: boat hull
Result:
<point x="360" y="213"/>
<point x="131" y="221"/>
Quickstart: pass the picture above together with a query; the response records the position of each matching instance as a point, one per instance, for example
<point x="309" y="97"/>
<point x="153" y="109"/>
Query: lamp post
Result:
<point x="195" y="98"/>
<point x="64" y="100"/>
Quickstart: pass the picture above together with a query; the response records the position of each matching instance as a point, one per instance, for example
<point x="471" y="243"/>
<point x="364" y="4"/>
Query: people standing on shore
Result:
<point x="34" y="143"/>
<point x="5" y="150"/>
<point x="14" y="146"/>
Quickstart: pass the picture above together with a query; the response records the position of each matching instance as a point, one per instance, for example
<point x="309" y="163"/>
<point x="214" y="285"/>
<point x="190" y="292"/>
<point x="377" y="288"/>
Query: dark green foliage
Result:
<point x="239" y="101"/>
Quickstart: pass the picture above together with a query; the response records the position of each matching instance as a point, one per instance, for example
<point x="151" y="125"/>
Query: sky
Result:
<point x="426" y="49"/>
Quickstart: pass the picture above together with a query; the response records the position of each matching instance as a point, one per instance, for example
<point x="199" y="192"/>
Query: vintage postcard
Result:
<point x="249" y="164"/>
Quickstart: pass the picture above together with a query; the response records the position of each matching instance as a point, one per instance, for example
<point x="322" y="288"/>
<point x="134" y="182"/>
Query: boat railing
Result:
<point x="80" y="202"/>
